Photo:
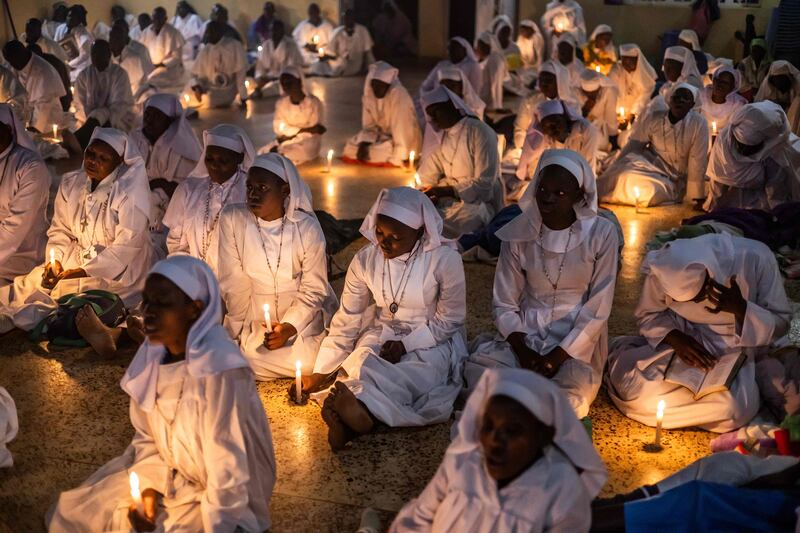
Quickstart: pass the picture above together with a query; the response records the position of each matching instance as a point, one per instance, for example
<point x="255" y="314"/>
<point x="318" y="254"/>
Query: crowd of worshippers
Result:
<point x="189" y="235"/>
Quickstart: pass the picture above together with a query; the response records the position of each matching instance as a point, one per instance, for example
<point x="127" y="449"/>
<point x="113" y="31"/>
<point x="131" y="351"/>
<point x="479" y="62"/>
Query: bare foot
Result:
<point x="97" y="334"/>
<point x="338" y="436"/>
<point x="135" y="328"/>
<point x="352" y="412"/>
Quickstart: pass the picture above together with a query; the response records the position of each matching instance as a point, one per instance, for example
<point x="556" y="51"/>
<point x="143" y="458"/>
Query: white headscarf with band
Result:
<point x="528" y="225"/>
<point x="410" y="207"/>
<point x="548" y="404"/>
<point x="592" y="81"/>
<point x="179" y="136"/>
<point x="689" y="87"/>
<point x="299" y="194"/>
<point x="600" y="29"/>
<point x="500" y="22"/>
<point x="226" y="136"/>
<point x="563" y="82"/>
<point x="294" y="72"/>
<point x="685" y="56"/>
<point x="440" y="95"/>
<point x="209" y="349"/>
<point x="490" y="39"/>
<point x="643" y="67"/>
<point x="471" y="98"/>
<point x="468" y="47"/>
<point x="18" y="132"/>
<point x="568" y="38"/>
<point x="690" y="36"/>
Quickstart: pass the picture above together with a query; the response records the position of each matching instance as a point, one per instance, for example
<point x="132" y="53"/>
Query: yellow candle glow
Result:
<point x="559" y="27"/>
<point x="136" y="494"/>
<point x="52" y="258"/>
<point x="321" y="51"/>
<point x="72" y="90"/>
<point x="281" y="127"/>
<point x="659" y="420"/>
<point x="714" y="128"/>
<point x="637" y="195"/>
<point x="622" y="113"/>
<point x="597" y="68"/>
<point x="267" y="318"/>
<point x="186" y="98"/>
<point x="330" y="188"/>
<point x="315" y="39"/>
<point x="330" y="160"/>
<point x="55" y="131"/>
<point x="260" y="48"/>
<point x="411" y="155"/>
<point x="417" y="181"/>
<point x="246" y="84"/>
<point x="298" y="382"/>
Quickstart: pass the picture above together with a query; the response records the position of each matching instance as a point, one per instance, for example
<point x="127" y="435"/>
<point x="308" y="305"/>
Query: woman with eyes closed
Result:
<point x="272" y="251"/>
<point x="397" y="340"/>
<point x="554" y="284"/>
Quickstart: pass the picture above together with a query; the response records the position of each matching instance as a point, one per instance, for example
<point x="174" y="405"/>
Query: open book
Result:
<point x="704" y="382"/>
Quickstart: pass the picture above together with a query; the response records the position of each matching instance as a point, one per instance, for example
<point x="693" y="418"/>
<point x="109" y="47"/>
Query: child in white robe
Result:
<point x="782" y="86"/>
<point x="753" y="164"/>
<point x="202" y="448"/>
<point x="24" y="189"/>
<point x="703" y="298"/>
<point x="98" y="237"/>
<point x="462" y="56"/>
<point x="165" y="44"/>
<point x="389" y="130"/>
<point x="298" y="120"/>
<point x="398" y="335"/>
<point x="461" y="174"/>
<point x="599" y="98"/>
<point x="493" y="68"/>
<point x="349" y="51"/>
<point x="279" y="262"/>
<point x="666" y="156"/>
<point x="219" y="72"/>
<point x="635" y="79"/>
<point x="721" y="100"/>
<point x="554" y="284"/>
<point x="521" y="462"/>
<point x="312" y="34"/>
<point x="218" y="180"/>
<point x="274" y="55"/>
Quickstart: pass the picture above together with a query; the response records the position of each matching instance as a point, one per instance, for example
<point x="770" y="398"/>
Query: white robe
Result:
<point x="83" y="41"/>
<point x="161" y="159"/>
<point x="548" y="496"/>
<point x="189" y="224"/>
<point x="220" y="69"/>
<point x="752" y="76"/>
<point x="9" y="425"/>
<point x="13" y="93"/>
<point x="471" y="69"/>
<point x="303" y="147"/>
<point x="719" y="113"/>
<point x="526" y="115"/>
<point x="305" y="299"/>
<point x="135" y="60"/>
<point x="206" y="445"/>
<point x="44" y="88"/>
<point x="604" y="113"/>
<point x="570" y="13"/>
<point x="351" y="53"/>
<point x="467" y="160"/>
<point x="420" y="389"/>
<point x="49" y="28"/>
<point x="112" y="245"/>
<point x="273" y="59"/>
<point x="636" y="365"/>
<point x="494" y="72"/>
<point x="665" y="161"/>
<point x="523" y="302"/>
<point x="105" y="96"/>
<point x="24" y="189"/>
<point x="633" y="94"/>
<point x="48" y="46"/>
<point x="166" y="47"/>
<point x="390" y="125"/>
<point x="191" y="27"/>
<point x="305" y="32"/>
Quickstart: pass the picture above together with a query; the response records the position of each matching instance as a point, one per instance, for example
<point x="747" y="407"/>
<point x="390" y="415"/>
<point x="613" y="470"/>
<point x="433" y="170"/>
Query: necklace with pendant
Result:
<point x="394" y="306"/>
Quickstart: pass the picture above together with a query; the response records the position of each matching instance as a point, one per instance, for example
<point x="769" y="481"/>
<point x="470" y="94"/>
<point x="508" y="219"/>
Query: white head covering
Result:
<point x="209" y="349"/>
<point x="601" y="28"/>
<point x="119" y="142"/>
<point x="226" y="136"/>
<point x="527" y="226"/>
<point x="547" y="108"/>
<point x="490" y="38"/>
<point x="547" y="403"/>
<point x="689" y="87"/>
<point x="685" y="56"/>
<point x="737" y="76"/>
<point x="471" y="98"/>
<point x="690" y="36"/>
<point x="592" y="81"/>
<point x="645" y="75"/>
<point x="777" y="68"/>
<point x="443" y="94"/>
<point x="566" y="37"/>
<point x="528" y="23"/>
<point x="381" y="71"/>
<point x="500" y="22"/>
<point x="294" y="72"/>
<point x="299" y="195"/>
<point x="18" y="132"/>
<point x="179" y="136"/>
<point x="470" y="51"/>
<point x="565" y="89"/>
<point x="410" y="207"/>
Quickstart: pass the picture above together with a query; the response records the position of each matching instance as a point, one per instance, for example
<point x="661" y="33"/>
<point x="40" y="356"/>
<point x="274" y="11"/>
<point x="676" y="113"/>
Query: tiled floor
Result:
<point x="73" y="415"/>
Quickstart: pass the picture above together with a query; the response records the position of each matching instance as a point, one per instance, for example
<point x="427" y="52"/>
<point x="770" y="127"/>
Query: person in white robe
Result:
<point x="202" y="448"/>
<point x="530" y="42"/>
<point x="600" y="54"/>
<point x="33" y="35"/>
<point x="599" y="97"/>
<point x="679" y="66"/>
<point x="493" y="68"/>
<point x="101" y="30"/>
<point x="461" y="174"/>
<point x="98" y="236"/>
<point x="13" y="93"/>
<point x="461" y="55"/>
<point x="565" y="53"/>
<point x="389" y="130"/>
<point x="57" y="18"/>
<point x="143" y="21"/>
<point x="483" y="484"/>
<point x="134" y="59"/>
<point x="312" y="34"/>
<point x="219" y="72"/>
<point x="703" y="298"/>
<point x="74" y="35"/>
<point x="349" y="51"/>
<point x="272" y="253"/>
<point x="635" y="79"/>
<point x="665" y="158"/>
<point x="218" y="180"/>
<point x="9" y="426"/>
<point x="753" y="164"/>
<point x="721" y="100"/>
<point x="782" y="86"/>
<point x="24" y="190"/>
<point x="754" y="67"/>
<point x="554" y="284"/>
<point x="275" y="54"/>
<point x="298" y="120"/>
<point x="503" y="29"/>
<point x="165" y="44"/>
<point x="563" y="17"/>
<point x="397" y="340"/>
<point x="191" y="26"/>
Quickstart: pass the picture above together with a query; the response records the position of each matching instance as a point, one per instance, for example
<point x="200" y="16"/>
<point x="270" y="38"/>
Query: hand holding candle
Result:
<point x="267" y="319"/>
<point x="298" y="383"/>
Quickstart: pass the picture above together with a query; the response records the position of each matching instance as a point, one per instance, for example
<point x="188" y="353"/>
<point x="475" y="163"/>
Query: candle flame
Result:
<point x="72" y="89"/>
<point x="330" y="155"/>
<point x="622" y="112"/>
<point x="597" y="68"/>
<point x="136" y="494"/>
<point x="559" y="26"/>
<point x="714" y="127"/>
<point x="330" y="188"/>
<point x="417" y="181"/>
<point x="636" y="192"/>
<point x="321" y="51"/>
<point x="281" y="127"/>
<point x="260" y="48"/>
<point x="660" y="410"/>
<point x="298" y="365"/>
<point x="186" y="98"/>
<point x="55" y="131"/>
<point x="52" y="257"/>
<point x="315" y="39"/>
<point x="246" y="84"/>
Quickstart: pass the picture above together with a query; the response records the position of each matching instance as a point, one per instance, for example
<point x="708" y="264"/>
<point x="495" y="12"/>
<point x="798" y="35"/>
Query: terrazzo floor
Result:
<point x="74" y="417"/>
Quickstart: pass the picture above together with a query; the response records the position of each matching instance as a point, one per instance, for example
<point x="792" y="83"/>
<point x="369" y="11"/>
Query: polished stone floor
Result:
<point x="74" y="417"/>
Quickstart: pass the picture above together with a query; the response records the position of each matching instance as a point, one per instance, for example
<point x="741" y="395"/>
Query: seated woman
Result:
<point x="562" y="17"/>
<point x="666" y="157"/>
<point x="389" y="130"/>
<point x="600" y="51"/>
<point x="679" y="67"/>
<point x="689" y="40"/>
<point x="398" y="335"/>
<point x="704" y="299"/>
<point x="298" y="120"/>
<point x="493" y="68"/>
<point x="521" y="462"/>
<point x="275" y="54"/>
<point x="349" y="52"/>
<point x="566" y="49"/>
<point x="752" y="162"/>
<point x="192" y="217"/>
<point x="530" y="42"/>
<point x="554" y="284"/>
<point x="202" y="447"/>
<point x="754" y="68"/>
<point x="782" y="86"/>
<point x="272" y="251"/>
<point x="599" y="97"/>
<point x="461" y="173"/>
<point x="635" y="79"/>
<point x="721" y="100"/>
<point x="460" y="55"/>
<point x="512" y="55"/>
<point x="219" y="72"/>
<point x="98" y="238"/>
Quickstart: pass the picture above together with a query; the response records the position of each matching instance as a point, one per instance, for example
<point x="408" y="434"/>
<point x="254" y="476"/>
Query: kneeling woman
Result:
<point x="398" y="335"/>
<point x="554" y="283"/>
<point x="521" y="462"/>
<point x="202" y="448"/>
<point x="272" y="252"/>
<point x="98" y="238"/>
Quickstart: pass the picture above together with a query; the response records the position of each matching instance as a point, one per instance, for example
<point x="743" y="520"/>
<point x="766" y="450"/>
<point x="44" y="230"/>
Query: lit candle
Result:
<point x="321" y="51"/>
<point x="417" y="181"/>
<point x="136" y="494"/>
<point x="411" y="155"/>
<point x="260" y="48"/>
<point x="622" y="113"/>
<point x="330" y="160"/>
<point x="72" y="90"/>
<point x="55" y="131"/>
<point x="186" y="98"/>
<point x="281" y="127"/>
<point x="597" y="68"/>
<point x="559" y="27"/>
<point x="315" y="39"/>
<point x="246" y="84"/>
<point x="659" y="420"/>
<point x="713" y="128"/>
<point x="637" y="194"/>
<point x="52" y="258"/>
<point x="267" y="319"/>
<point x="298" y="382"/>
